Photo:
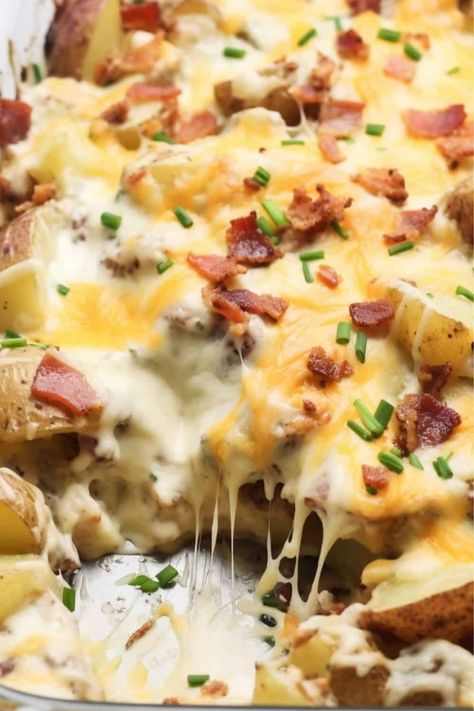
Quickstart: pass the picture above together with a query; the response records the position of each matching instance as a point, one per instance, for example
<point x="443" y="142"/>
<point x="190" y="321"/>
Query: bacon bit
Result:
<point x="424" y="421"/>
<point x="358" y="6"/>
<point x="350" y="45"/>
<point x="135" y="178"/>
<point x="411" y="224"/>
<point x="235" y="303"/>
<point x="329" y="147"/>
<point x="6" y="667"/>
<point x="383" y="181"/>
<point x="458" y="145"/>
<point x="58" y="383"/>
<point x="376" y="477"/>
<point x="307" y="215"/>
<point x="321" y="77"/>
<point x="421" y="39"/>
<point x="308" y="94"/>
<point x="214" y="267"/>
<point x="328" y="276"/>
<point x="433" y="378"/>
<point x="251" y="184"/>
<point x="326" y="368"/>
<point x="200" y="125"/>
<point x="433" y="124"/>
<point x="171" y="701"/>
<point x="400" y="68"/>
<point x="248" y="245"/>
<point x="15" y="121"/>
<point x="116" y="113"/>
<point x="146" y="16"/>
<point x="215" y="688"/>
<point x="369" y="314"/>
<point x="139" y="633"/>
<point x="41" y="194"/>
<point x="143" y="91"/>
<point x="135" y="61"/>
<point x="5" y="188"/>
<point x="340" y="118"/>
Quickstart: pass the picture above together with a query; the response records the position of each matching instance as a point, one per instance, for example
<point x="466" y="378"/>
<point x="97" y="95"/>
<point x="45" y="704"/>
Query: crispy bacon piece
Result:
<point x="383" y="181"/>
<point x="139" y="633"/>
<point x="41" y="194"/>
<point x="328" y="276"/>
<point x="15" y="121"/>
<point x="350" y="45"/>
<point x="340" y="118"/>
<point x="424" y="421"/>
<point x="308" y="94"/>
<point x="143" y="91"/>
<point x="325" y="368"/>
<point x="358" y="6"/>
<point x="60" y="384"/>
<point x="199" y="125"/>
<point x="233" y="304"/>
<point x="319" y="82"/>
<point x="247" y="244"/>
<point x="252" y="184"/>
<point x="215" y="688"/>
<point x="314" y="216"/>
<point x="400" y="68"/>
<point x="411" y="224"/>
<point x="433" y="124"/>
<point x="433" y="378"/>
<point x="145" y="16"/>
<point x="116" y="113"/>
<point x="458" y="145"/>
<point x="370" y="314"/>
<point x="136" y="61"/>
<point x="214" y="267"/>
<point x="329" y="147"/>
<point x="376" y="477"/>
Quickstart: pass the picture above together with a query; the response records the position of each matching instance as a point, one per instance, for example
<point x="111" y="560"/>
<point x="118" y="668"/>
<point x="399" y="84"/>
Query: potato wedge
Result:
<point x="445" y="323"/>
<point x="312" y="656"/>
<point x="22" y="417"/>
<point x="22" y="524"/>
<point x="277" y="687"/>
<point x="22" y="578"/>
<point x="459" y="206"/>
<point x="83" y="33"/>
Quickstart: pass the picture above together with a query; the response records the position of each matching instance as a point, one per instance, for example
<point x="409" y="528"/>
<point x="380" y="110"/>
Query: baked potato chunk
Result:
<point x="83" y="33"/>
<point x="279" y="687"/>
<point x="460" y="208"/>
<point x="22" y="578"/>
<point x="277" y="99"/>
<point x="22" y="523"/>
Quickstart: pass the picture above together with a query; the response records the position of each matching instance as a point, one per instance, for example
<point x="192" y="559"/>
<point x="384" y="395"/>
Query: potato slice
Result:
<point x="22" y="417"/>
<point x="460" y="208"/>
<point x="434" y="330"/>
<point x="312" y="656"/>
<point x="83" y="33"/>
<point x="22" y="578"/>
<point x="22" y="522"/>
<point x="278" y="687"/>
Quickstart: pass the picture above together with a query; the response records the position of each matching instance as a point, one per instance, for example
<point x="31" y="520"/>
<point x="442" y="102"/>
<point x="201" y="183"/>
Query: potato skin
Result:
<point x="15" y="240"/>
<point x="25" y="533"/>
<point x="350" y="689"/>
<point x="279" y="100"/>
<point x="460" y="208"/>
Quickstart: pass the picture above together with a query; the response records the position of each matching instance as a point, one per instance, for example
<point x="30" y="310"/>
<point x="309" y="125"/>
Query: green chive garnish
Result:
<point x="268" y="620"/>
<point x="359" y="430"/>
<point x="149" y="586"/>
<point x="262" y="176"/>
<point x="307" y="37"/>
<point x="383" y="413"/>
<point x="347" y="139"/>
<point x="270" y="640"/>
<point x="162" y="267"/>
<point x="399" y="248"/>
<point x="293" y="142"/>
<point x="197" y="679"/>
<point x="167" y="575"/>
<point x="462" y="291"/>
<point x="442" y="468"/>
<point x="160" y="136"/>
<point x="308" y="277"/>
<point x="234" y="52"/>
<point x="62" y="290"/>
<point x="371" y="490"/>
<point x="152" y="477"/>
<point x="265" y="227"/>
<point x="13" y="342"/>
<point x="269" y="600"/>
<point x="388" y="35"/>
<point x="453" y="70"/>
<point x="277" y="215"/>
<point x="312" y="256"/>
<point x="374" y="129"/>
<point x="183" y="217"/>
<point x="361" y="346"/>
<point x="368" y="420"/>
<point x="110" y="220"/>
<point x="412" y="52"/>
<point x="414" y="461"/>
<point x="37" y="73"/>
<point x="11" y="334"/>
<point x="341" y="231"/>
<point x="337" y="22"/>
<point x="138" y="580"/>
<point x="396" y="452"/>
<point x="390" y="461"/>
<point x="343" y="333"/>
<point x="69" y="598"/>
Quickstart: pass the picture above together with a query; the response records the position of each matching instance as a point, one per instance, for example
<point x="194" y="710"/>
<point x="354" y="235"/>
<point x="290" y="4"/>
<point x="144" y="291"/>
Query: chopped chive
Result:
<point x="149" y="586"/>
<point x="337" y="22"/>
<point x="167" y="575"/>
<point x="347" y="139"/>
<point x="462" y="291"/>
<point x="414" y="461"/>
<point x="412" y="52"/>
<point x="268" y="620"/>
<point x="361" y="346"/>
<point x="341" y="231"/>
<point x="442" y="468"/>
<point x="118" y="195"/>
<point x="293" y="142"/>
<point x="270" y="640"/>
<point x="152" y="477"/>
<point x="183" y="217"/>
<point x="451" y="454"/>
<point x="374" y="129"/>
<point x="371" y="490"/>
<point x="69" y="598"/>
<point x="343" y="333"/>
<point x="262" y="176"/>
<point x="307" y="37"/>
<point x="108" y="219"/>
<point x="396" y="452"/>
<point x="37" y="73"/>
<point x="312" y="256"/>
<point x="368" y="420"/>
<point x="383" y="413"/>
<point x="429" y="295"/>
<point x="265" y="227"/>
<point x="11" y="334"/>
<point x="275" y="239"/>
<point x="273" y="211"/>
<point x="269" y="600"/>
<point x="197" y="679"/>
<point x="399" y="248"/>
<point x="390" y="461"/>
<point x="62" y="290"/>
<point x="308" y="277"/>
<point x="453" y="70"/>
<point x="162" y="267"/>
<point x="234" y="52"/>
<point x="13" y="342"/>
<point x="359" y="430"/>
<point x="138" y="580"/>
<point x="389" y="35"/>
<point x="160" y="136"/>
